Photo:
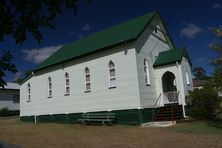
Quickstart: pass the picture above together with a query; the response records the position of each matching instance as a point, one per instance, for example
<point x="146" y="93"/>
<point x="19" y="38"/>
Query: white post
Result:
<point x="180" y="93"/>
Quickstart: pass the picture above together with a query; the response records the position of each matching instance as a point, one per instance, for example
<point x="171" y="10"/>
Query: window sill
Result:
<point x="66" y="94"/>
<point x="87" y="91"/>
<point x="111" y="87"/>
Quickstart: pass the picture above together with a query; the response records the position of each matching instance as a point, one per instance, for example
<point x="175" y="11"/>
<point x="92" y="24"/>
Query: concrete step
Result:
<point x="159" y="124"/>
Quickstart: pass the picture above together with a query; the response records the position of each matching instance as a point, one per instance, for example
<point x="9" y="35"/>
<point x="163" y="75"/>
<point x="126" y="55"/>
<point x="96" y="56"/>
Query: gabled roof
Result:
<point x="171" y="56"/>
<point x="116" y="35"/>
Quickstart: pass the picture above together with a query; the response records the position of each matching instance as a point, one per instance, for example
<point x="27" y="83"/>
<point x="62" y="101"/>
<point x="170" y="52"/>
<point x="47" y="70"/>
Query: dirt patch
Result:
<point x="81" y="136"/>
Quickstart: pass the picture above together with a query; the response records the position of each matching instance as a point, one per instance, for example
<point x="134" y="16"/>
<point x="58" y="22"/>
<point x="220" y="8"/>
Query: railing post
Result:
<point x="154" y="107"/>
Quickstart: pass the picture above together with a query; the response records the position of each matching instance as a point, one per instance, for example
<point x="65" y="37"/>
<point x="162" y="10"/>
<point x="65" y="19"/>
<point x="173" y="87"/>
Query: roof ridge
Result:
<point x="127" y="30"/>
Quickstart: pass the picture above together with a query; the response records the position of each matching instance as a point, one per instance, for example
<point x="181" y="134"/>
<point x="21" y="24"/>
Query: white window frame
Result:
<point x="147" y="74"/>
<point x="87" y="82"/>
<point x="187" y="79"/>
<point x="67" y="86"/>
<point x="112" y="78"/>
<point x="29" y="92"/>
<point x="49" y="89"/>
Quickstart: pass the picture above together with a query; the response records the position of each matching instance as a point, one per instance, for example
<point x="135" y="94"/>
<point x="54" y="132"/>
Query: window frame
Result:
<point x="16" y="98"/>
<point x="146" y="71"/>
<point x="187" y="79"/>
<point x="87" y="74"/>
<point x="49" y="89"/>
<point x="67" y="86"/>
<point x="111" y="78"/>
<point x="29" y="92"/>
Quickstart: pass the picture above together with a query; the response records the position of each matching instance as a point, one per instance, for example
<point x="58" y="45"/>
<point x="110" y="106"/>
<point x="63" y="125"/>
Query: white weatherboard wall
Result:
<point x="173" y="68"/>
<point x="148" y="46"/>
<point x="185" y="68"/>
<point x="101" y="98"/>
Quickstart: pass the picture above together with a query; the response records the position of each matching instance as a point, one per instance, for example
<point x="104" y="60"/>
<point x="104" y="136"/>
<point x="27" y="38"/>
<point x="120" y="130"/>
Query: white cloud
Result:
<point x="39" y="55"/>
<point x="190" y="31"/>
<point x="86" y="27"/>
<point x="215" y="6"/>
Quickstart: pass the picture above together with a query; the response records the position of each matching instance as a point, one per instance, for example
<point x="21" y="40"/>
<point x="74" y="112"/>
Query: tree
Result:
<point x="202" y="102"/>
<point x="217" y="47"/>
<point x="6" y="65"/>
<point x="18" y="18"/>
<point x="217" y="62"/>
<point x="199" y="73"/>
<point x="24" y="75"/>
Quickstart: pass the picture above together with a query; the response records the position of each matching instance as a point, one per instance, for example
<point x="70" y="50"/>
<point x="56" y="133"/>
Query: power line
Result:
<point x="167" y="22"/>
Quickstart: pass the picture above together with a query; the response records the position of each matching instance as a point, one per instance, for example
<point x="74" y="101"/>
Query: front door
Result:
<point x="169" y="88"/>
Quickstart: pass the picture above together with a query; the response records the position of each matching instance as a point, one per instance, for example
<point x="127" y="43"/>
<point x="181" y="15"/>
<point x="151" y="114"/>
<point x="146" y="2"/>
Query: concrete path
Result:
<point x="159" y="124"/>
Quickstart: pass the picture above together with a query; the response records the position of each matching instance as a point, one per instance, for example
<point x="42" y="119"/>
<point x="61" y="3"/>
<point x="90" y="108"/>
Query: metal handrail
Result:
<point x="170" y="96"/>
<point x="157" y="100"/>
<point x="154" y="106"/>
<point x="174" y="105"/>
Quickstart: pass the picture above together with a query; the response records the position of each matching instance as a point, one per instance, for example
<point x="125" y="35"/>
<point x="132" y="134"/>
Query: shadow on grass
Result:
<point x="196" y="127"/>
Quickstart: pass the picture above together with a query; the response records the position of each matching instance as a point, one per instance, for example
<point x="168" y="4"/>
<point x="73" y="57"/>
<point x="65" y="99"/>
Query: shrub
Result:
<point x="5" y="112"/>
<point x="202" y="103"/>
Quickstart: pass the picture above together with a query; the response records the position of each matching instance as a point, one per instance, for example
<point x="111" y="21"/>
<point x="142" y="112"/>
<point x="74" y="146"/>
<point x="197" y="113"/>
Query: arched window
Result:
<point x="49" y="87"/>
<point x="146" y="71"/>
<point x="112" y="75"/>
<point x="67" y="88"/>
<point x="187" y="79"/>
<point x="29" y="92"/>
<point x="87" y="80"/>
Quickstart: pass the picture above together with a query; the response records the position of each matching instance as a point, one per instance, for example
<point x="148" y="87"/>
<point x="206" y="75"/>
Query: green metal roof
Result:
<point x="127" y="31"/>
<point x="25" y="79"/>
<point x="171" y="56"/>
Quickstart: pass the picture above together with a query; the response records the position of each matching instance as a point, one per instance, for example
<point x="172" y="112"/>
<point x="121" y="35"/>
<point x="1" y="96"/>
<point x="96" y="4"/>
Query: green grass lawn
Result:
<point x="196" y="127"/>
<point x="47" y="135"/>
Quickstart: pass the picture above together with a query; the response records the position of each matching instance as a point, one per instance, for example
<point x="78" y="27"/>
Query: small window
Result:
<point x="187" y="79"/>
<point x="87" y="80"/>
<point x="146" y="71"/>
<point x="15" y="98"/>
<point x="67" y="87"/>
<point x="49" y="87"/>
<point x="29" y="92"/>
<point x="112" y="75"/>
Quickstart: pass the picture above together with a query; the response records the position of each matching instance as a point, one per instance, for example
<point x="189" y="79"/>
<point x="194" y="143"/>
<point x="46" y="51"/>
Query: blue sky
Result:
<point x="188" y="27"/>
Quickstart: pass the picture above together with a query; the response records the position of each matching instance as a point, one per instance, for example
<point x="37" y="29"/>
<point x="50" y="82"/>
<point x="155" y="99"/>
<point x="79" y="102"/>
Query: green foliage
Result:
<point x="217" y="62"/>
<point x="202" y="102"/>
<point x="19" y="18"/>
<point x="217" y="80"/>
<point x="6" y="65"/>
<point x="23" y="76"/>
<point x="5" y="112"/>
<point x="197" y="127"/>
<point x="199" y="73"/>
<point x="217" y="47"/>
